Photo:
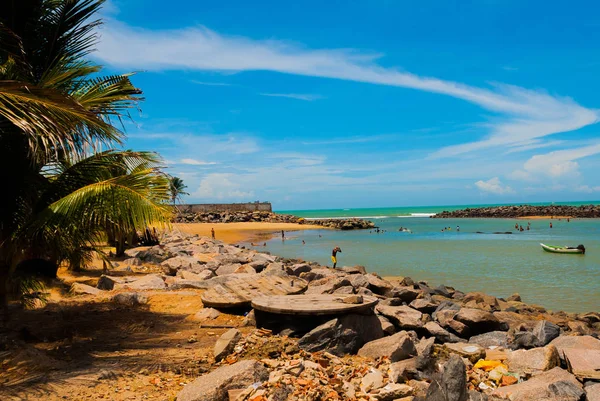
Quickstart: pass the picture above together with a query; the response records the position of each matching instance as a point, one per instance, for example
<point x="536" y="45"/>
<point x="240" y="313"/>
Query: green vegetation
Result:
<point x="66" y="188"/>
<point x="177" y="188"/>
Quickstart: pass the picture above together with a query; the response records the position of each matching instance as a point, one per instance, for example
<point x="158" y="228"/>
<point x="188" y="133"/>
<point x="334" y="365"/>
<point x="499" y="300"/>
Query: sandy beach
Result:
<point x="543" y="217"/>
<point x="233" y="233"/>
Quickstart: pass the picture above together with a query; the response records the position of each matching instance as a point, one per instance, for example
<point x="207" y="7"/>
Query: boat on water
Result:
<point x="579" y="249"/>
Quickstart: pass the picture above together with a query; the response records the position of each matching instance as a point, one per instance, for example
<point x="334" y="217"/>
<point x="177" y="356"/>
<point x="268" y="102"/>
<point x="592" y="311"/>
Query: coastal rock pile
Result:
<point x="584" y="211"/>
<point x="269" y="217"/>
<point x="420" y="342"/>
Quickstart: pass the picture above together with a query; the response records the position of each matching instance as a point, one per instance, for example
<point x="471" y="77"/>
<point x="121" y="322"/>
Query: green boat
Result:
<point x="579" y="249"/>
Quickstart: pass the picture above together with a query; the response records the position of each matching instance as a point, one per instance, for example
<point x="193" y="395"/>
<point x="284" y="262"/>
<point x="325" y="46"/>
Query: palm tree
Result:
<point x="65" y="187"/>
<point x="177" y="188"/>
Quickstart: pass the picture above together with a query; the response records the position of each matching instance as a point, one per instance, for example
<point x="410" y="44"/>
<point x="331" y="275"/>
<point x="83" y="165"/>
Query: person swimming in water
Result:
<point x="333" y="255"/>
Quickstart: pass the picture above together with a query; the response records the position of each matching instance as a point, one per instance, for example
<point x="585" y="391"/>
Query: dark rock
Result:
<point x="453" y="383"/>
<point x="514" y="297"/>
<point x="406" y="294"/>
<point x="523" y="340"/>
<point x="448" y="306"/>
<point x="493" y="338"/>
<point x="545" y="332"/>
<point x="424" y="305"/>
<point x="441" y="335"/>
<point x="344" y="335"/>
<point x="225" y="344"/>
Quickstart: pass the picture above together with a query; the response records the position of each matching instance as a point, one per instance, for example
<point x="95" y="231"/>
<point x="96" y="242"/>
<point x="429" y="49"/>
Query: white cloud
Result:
<point x="587" y="189"/>
<point x="524" y="115"/>
<point x="195" y="162"/>
<point x="298" y="96"/>
<point x="494" y="186"/>
<point x="222" y="187"/>
<point x="557" y="164"/>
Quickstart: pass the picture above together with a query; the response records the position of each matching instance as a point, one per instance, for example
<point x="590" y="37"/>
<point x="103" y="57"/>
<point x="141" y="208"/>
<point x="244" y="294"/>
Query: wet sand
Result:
<point x="233" y="233"/>
<point x="544" y="217"/>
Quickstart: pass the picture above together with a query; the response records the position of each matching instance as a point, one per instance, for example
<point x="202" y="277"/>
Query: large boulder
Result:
<point x="227" y="268"/>
<point x="405" y="294"/>
<point x="327" y="285"/>
<point x="396" y="347"/>
<point x="424" y="305"/>
<point x="344" y="335"/>
<point x="479" y="321"/>
<point x="84" y="289"/>
<point x="592" y="391"/>
<point x="554" y="385"/>
<point x="297" y="269"/>
<point x="377" y="284"/>
<point x="545" y="332"/>
<point x="533" y="361"/>
<point x="148" y="282"/>
<point x="214" y="386"/>
<point x="172" y="265"/>
<point x="453" y="384"/>
<point x="403" y="317"/>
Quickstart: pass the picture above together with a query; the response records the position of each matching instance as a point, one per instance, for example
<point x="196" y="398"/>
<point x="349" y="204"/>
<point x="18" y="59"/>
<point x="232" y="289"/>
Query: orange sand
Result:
<point x="237" y="232"/>
<point x="544" y="217"/>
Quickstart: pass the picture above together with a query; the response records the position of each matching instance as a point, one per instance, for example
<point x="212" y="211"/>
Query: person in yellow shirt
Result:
<point x="333" y="255"/>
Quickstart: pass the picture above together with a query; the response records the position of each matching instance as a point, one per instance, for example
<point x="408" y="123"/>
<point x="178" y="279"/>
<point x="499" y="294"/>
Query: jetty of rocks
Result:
<point x="413" y="341"/>
<point x="269" y="217"/>
<point x="584" y="211"/>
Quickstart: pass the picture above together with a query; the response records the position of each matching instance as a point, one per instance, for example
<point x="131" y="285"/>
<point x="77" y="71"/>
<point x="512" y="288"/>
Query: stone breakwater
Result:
<point x="419" y="343"/>
<point x="585" y="211"/>
<point x="269" y="217"/>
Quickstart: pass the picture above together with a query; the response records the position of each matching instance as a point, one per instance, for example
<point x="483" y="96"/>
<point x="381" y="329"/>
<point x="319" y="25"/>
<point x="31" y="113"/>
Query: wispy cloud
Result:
<point x="522" y="115"/>
<point x="210" y="83"/>
<point x="195" y="162"/>
<point x="298" y="96"/>
<point x="493" y="185"/>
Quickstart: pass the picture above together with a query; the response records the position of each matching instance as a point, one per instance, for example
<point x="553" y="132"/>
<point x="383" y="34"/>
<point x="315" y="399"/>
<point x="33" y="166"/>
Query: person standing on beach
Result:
<point x="282" y="235"/>
<point x="550" y="224"/>
<point x="212" y="233"/>
<point x="333" y="255"/>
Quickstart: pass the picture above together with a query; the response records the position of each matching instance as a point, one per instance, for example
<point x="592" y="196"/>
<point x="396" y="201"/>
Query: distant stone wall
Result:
<point x="227" y="207"/>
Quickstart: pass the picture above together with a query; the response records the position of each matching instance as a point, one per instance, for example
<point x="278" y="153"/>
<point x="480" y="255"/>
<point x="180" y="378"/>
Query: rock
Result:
<point x="215" y="385"/>
<point x="148" y="282"/>
<point x="491" y="339"/>
<point x="406" y="294"/>
<point x="107" y="283"/>
<point x="297" y="269"/>
<point x="130" y="299"/>
<point x="377" y="284"/>
<point x="545" y="332"/>
<point x="188" y="275"/>
<point x="592" y="391"/>
<point x="393" y="391"/>
<point x="353" y="299"/>
<point x="578" y="327"/>
<point x="327" y="285"/>
<point x="396" y="347"/>
<point x="443" y="291"/>
<point x="586" y="342"/>
<point x="359" y="281"/>
<point x="441" y="335"/>
<point x="84" y="289"/>
<point x="554" y="385"/>
<point x="371" y="381"/>
<point x="403" y="317"/>
<point x="344" y="335"/>
<point x="479" y="321"/>
<point x="453" y="384"/>
<point x="387" y="327"/>
<point x="514" y="297"/>
<point x="472" y="352"/>
<point x="172" y="265"/>
<point x="446" y="306"/>
<point x="533" y="361"/>
<point x="206" y="314"/>
<point x="523" y="340"/>
<point x="482" y="299"/>
<point x="424" y="305"/>
<point x="360" y="270"/>
<point x="247" y="269"/>
<point x="228" y="268"/>
<point x="459" y="328"/>
<point x="402" y="371"/>
<point x="176" y="283"/>
<point x="347" y="290"/>
<point x="225" y="344"/>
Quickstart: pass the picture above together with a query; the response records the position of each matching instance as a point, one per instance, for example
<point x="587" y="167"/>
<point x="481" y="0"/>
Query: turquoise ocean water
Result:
<point x="499" y="264"/>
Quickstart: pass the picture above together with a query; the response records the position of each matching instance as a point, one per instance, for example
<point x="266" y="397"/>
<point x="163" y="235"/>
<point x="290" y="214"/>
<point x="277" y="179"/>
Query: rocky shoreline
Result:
<point x="584" y="211"/>
<point x="269" y="217"/>
<point x="419" y="343"/>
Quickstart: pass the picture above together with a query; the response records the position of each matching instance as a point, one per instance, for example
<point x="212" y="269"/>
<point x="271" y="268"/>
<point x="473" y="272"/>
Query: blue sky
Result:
<point x="336" y="104"/>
